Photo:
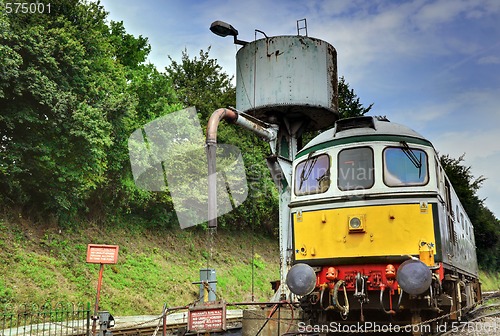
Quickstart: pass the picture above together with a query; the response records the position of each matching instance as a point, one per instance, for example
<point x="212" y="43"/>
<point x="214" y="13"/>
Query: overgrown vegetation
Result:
<point x="74" y="90"/>
<point x="490" y="281"/>
<point x="48" y="263"/>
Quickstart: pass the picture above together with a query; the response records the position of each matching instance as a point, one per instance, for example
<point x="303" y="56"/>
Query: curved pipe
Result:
<point x="212" y="125"/>
<point x="344" y="310"/>
<point x="321" y="295"/>
<point x="390" y="312"/>
<point x="266" y="131"/>
<point x="213" y="122"/>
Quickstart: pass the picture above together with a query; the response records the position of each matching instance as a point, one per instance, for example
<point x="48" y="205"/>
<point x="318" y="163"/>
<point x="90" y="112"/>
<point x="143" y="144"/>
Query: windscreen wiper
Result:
<point x="307" y="169"/>
<point x="417" y="162"/>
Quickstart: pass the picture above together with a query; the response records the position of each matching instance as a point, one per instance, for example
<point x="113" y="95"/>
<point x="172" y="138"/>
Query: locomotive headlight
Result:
<point x="356" y="223"/>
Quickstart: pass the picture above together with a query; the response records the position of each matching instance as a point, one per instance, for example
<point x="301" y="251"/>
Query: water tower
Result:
<point x="285" y="85"/>
<point x="288" y="78"/>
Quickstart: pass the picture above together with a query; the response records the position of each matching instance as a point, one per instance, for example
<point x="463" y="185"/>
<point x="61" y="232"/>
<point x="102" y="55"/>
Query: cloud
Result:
<point x="477" y="145"/>
<point x="457" y="113"/>
<point x="433" y="14"/>
<point x="489" y="60"/>
<point x="490" y="191"/>
<point x="482" y="154"/>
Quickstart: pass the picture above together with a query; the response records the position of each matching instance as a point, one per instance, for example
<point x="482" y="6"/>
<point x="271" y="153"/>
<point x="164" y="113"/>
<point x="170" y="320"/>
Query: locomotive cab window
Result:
<point x="405" y="167"/>
<point x="355" y="168"/>
<point x="312" y="176"/>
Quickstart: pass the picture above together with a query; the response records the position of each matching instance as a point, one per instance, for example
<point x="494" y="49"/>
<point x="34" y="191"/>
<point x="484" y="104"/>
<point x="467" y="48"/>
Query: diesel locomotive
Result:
<point x="370" y="227"/>
<point x="377" y="228"/>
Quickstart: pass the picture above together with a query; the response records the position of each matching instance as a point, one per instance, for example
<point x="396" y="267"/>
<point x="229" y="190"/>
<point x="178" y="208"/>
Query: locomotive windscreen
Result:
<point x="355" y="168"/>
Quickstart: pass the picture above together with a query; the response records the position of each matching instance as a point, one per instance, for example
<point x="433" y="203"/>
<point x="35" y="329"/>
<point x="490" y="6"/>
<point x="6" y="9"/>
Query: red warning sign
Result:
<point x="206" y="319"/>
<point x="102" y="254"/>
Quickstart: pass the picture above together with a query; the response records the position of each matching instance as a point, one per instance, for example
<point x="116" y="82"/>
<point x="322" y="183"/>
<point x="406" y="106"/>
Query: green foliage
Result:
<point x="201" y="82"/>
<point x="486" y="225"/>
<point x="464" y="183"/>
<point x="349" y="105"/>
<point x="129" y="50"/>
<point x="55" y="129"/>
<point x="72" y="89"/>
<point x="489" y="281"/>
<point x="5" y="292"/>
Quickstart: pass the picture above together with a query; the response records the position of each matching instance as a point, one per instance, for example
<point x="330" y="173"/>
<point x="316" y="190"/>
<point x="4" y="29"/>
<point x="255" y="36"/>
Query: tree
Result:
<point x="73" y="88"/>
<point x="349" y="105"/>
<point x="130" y="51"/>
<point x="153" y="97"/>
<point x="54" y="129"/>
<point x="69" y="92"/>
<point x="201" y="82"/>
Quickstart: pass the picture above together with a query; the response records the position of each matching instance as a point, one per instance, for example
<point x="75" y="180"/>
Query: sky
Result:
<point x="432" y="65"/>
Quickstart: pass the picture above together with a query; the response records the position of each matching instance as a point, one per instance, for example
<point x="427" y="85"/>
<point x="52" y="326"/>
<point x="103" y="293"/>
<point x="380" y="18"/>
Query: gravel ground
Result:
<point x="486" y="326"/>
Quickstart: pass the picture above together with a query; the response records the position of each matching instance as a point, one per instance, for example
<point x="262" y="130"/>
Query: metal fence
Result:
<point x="45" y="320"/>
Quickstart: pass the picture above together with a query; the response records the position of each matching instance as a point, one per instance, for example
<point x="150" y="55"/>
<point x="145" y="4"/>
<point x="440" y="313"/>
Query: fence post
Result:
<point x="88" y="318"/>
<point x="32" y="319"/>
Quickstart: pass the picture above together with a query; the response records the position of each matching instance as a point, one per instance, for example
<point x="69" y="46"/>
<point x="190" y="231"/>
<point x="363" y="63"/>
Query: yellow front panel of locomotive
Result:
<point x="378" y="231"/>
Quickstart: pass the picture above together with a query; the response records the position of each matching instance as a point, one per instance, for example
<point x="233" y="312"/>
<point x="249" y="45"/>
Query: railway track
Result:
<point x="176" y="324"/>
<point x="482" y="320"/>
<point x="233" y="328"/>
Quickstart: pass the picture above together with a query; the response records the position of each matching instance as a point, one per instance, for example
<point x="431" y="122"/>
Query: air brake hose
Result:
<point x="400" y="297"/>
<point x="344" y="310"/>
<point x="391" y="312"/>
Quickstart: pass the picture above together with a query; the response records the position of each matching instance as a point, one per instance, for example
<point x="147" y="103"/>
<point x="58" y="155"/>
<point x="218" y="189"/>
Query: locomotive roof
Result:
<point x="365" y="128"/>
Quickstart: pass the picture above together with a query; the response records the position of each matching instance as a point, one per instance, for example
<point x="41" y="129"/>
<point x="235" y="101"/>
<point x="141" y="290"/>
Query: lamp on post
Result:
<point x="224" y="29"/>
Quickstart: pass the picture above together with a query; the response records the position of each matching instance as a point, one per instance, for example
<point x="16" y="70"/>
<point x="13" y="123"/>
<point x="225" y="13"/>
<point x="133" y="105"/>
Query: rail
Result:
<point x="175" y="323"/>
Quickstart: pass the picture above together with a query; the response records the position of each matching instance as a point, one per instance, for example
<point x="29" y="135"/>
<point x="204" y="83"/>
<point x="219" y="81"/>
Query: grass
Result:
<point x="489" y="281"/>
<point x="46" y="263"/>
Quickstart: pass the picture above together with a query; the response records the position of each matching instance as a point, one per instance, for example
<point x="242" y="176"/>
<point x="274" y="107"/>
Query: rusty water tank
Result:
<point x="293" y="77"/>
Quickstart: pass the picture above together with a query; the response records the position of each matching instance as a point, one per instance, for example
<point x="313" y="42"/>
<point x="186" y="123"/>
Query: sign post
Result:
<point x="207" y="317"/>
<point x="100" y="254"/>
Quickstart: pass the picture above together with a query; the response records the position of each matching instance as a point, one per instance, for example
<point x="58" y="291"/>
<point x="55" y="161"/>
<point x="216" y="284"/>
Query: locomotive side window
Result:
<point x="355" y="168"/>
<point x="312" y="176"/>
<point x="405" y="167"/>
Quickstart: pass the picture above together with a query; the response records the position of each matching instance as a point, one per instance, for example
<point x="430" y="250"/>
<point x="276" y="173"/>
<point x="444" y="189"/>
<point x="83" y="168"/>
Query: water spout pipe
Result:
<point x="265" y="131"/>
